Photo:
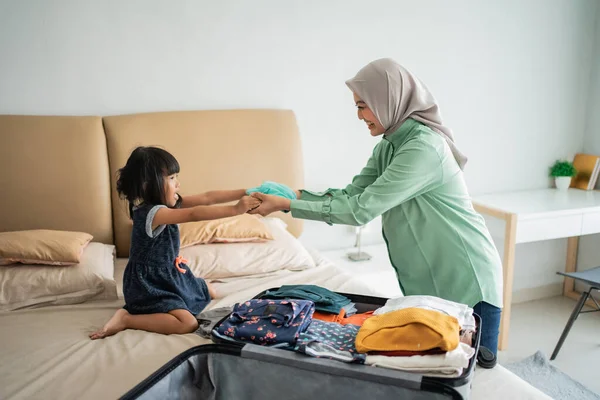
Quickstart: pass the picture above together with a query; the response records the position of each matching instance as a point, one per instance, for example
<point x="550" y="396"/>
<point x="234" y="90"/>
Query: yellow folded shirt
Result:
<point x="411" y="329"/>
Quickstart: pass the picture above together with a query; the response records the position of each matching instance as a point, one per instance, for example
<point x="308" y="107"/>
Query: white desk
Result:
<point x="537" y="215"/>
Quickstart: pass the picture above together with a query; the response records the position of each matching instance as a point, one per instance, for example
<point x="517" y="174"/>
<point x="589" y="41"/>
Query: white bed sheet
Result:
<point x="45" y="353"/>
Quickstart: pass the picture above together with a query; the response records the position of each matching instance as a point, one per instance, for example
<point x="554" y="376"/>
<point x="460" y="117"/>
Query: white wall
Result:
<point x="592" y="134"/>
<point x="508" y="75"/>
<point x="589" y="249"/>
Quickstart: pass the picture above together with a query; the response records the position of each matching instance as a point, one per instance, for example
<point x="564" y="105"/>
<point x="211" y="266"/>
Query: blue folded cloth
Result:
<point x="267" y="322"/>
<point x="330" y="340"/>
<point x="324" y="299"/>
<point x="274" y="188"/>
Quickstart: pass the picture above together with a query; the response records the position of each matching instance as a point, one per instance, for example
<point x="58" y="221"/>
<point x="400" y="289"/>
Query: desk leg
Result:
<point x="571" y="266"/>
<point x="508" y="262"/>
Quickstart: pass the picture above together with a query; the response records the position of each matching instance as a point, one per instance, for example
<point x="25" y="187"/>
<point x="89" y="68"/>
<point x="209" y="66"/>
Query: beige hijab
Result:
<point x="394" y="95"/>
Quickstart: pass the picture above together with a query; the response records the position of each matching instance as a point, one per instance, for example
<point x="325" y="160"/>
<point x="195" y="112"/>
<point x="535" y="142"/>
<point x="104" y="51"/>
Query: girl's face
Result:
<point x="365" y="114"/>
<point x="171" y="190"/>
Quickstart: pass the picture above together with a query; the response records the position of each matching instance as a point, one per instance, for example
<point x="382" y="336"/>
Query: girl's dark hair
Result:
<point x="141" y="180"/>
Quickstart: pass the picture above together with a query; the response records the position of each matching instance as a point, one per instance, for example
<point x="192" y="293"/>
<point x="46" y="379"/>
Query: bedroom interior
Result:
<point x="246" y="92"/>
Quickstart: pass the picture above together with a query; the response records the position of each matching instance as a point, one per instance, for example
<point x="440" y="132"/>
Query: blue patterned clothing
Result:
<point x="151" y="282"/>
<point x="330" y="340"/>
<point x="267" y="322"/>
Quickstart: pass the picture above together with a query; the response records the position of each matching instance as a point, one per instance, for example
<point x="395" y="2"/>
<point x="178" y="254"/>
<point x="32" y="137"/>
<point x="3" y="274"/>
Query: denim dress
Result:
<point x="151" y="282"/>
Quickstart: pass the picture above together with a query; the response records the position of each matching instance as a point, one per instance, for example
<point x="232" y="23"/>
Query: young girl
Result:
<point x="161" y="293"/>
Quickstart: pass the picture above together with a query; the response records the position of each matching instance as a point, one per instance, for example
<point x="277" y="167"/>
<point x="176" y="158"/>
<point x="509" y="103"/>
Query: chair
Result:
<point x="590" y="277"/>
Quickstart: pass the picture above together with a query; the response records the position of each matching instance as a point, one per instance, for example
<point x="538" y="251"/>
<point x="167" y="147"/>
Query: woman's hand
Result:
<point x="270" y="204"/>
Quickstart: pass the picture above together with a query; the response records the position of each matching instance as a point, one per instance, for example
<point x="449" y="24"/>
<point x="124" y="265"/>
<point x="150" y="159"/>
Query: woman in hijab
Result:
<point x="437" y="243"/>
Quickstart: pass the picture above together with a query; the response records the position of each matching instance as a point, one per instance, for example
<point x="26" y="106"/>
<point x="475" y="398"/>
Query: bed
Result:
<point x="63" y="170"/>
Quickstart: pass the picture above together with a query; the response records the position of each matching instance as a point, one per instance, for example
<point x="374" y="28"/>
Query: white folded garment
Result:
<point x="462" y="312"/>
<point x="447" y="365"/>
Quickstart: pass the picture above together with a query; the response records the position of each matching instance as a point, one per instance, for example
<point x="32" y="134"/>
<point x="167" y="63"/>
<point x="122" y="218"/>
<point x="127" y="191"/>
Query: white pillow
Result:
<point x="226" y="260"/>
<point x="29" y="286"/>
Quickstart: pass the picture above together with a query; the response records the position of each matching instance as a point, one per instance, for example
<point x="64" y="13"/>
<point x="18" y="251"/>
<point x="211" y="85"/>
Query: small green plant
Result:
<point x="562" y="168"/>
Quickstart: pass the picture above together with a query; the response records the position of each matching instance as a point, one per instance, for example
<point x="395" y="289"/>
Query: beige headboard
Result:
<point x="54" y="175"/>
<point x="227" y="149"/>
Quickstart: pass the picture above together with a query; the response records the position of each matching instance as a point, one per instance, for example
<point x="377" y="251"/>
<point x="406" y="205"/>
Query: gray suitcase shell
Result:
<point x="232" y="371"/>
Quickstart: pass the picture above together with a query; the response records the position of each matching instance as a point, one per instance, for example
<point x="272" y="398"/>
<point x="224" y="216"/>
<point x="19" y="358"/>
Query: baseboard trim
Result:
<point x="536" y="293"/>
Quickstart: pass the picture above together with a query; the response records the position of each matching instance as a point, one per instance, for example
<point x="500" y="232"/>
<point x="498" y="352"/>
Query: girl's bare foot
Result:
<point x="114" y="325"/>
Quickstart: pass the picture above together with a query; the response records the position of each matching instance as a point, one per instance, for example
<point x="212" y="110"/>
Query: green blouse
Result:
<point x="437" y="243"/>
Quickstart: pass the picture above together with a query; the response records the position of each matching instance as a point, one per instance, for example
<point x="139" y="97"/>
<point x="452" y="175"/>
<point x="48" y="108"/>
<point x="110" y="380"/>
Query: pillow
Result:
<point x="28" y="286"/>
<point x="241" y="228"/>
<point x="214" y="261"/>
<point x="42" y="246"/>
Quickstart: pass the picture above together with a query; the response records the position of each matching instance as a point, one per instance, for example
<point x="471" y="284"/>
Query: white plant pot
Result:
<point x="562" y="182"/>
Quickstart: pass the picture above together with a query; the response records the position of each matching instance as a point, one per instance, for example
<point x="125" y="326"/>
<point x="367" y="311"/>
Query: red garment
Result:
<point x="356" y="319"/>
<point x="327" y="317"/>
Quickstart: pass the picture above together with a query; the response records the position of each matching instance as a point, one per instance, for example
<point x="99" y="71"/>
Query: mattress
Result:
<point x="45" y="353"/>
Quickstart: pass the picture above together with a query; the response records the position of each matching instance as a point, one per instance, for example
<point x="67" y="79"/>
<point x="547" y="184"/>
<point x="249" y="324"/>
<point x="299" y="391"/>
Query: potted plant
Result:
<point x="563" y="171"/>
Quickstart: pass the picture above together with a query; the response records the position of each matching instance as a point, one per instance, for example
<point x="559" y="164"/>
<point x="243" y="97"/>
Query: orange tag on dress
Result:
<point x="178" y="261"/>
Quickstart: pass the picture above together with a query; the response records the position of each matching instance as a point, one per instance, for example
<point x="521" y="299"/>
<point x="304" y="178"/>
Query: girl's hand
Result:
<point x="270" y="204"/>
<point x="247" y="203"/>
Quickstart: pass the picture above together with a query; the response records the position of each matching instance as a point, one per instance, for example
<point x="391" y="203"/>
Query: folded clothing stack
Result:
<point x="276" y="323"/>
<point x="325" y="300"/>
<point x="335" y="324"/>
<point x="419" y="334"/>
<point x="462" y="312"/>
<point x="446" y="365"/>
<point x="409" y="329"/>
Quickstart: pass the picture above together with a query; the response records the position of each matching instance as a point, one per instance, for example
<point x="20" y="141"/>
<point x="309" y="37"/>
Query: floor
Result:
<point x="537" y="325"/>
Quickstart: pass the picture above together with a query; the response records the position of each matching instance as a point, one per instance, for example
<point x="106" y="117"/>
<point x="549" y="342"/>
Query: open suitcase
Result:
<point x="232" y="371"/>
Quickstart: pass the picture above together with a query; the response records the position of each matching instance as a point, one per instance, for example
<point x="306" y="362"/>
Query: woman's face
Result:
<point x="365" y="114"/>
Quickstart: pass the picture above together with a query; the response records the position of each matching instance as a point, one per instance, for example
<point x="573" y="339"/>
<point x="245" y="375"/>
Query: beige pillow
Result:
<point x="241" y="228"/>
<point x="42" y="246"/>
<point x="29" y="286"/>
<point x="214" y="261"/>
